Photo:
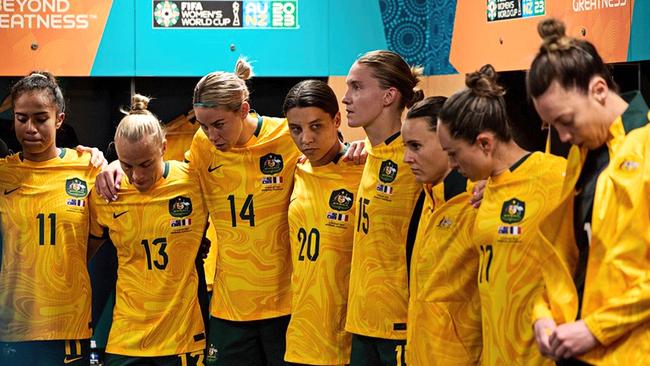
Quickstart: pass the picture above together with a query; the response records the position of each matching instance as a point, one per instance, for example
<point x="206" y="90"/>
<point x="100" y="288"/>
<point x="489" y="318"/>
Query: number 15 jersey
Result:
<point x="378" y="300"/>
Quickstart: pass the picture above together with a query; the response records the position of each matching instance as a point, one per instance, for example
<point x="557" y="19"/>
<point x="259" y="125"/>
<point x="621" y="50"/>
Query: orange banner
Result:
<point x="60" y="36"/>
<point x="496" y="32"/>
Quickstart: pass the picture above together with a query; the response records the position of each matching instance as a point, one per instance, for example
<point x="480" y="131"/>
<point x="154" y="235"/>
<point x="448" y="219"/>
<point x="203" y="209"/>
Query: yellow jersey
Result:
<point x="509" y="277"/>
<point x="247" y="190"/>
<point x="157" y="235"/>
<point x="321" y="227"/>
<point x="378" y="300"/>
<point x="444" y="315"/>
<point x="44" y="283"/>
<point x="179" y="133"/>
<point x="615" y="301"/>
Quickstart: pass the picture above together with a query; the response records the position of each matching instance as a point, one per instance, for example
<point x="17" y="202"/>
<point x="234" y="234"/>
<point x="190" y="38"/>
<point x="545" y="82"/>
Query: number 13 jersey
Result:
<point x="157" y="235"/>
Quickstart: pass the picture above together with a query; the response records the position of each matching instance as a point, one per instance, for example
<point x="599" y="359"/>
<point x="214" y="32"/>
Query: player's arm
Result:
<point x="356" y="152"/>
<point x="632" y="308"/>
<point x="543" y="323"/>
<point x="107" y="182"/>
<point x="97" y="158"/>
<point x="628" y="212"/>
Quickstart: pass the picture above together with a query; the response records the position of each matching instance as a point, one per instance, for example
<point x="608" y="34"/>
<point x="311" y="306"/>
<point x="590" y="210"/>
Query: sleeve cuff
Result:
<point x="596" y="330"/>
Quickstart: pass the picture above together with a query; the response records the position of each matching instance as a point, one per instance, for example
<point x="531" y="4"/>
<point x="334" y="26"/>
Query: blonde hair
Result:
<point x="224" y="89"/>
<point x="391" y="70"/>
<point x="139" y="123"/>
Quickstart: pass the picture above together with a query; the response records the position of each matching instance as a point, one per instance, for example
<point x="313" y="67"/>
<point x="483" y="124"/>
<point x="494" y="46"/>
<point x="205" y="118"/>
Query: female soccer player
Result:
<point x="597" y="237"/>
<point x="475" y="132"/>
<point x="321" y="228"/>
<point x="156" y="225"/>
<point x="380" y="85"/>
<point x="444" y="315"/>
<point x="44" y="284"/>
<point x="246" y="162"/>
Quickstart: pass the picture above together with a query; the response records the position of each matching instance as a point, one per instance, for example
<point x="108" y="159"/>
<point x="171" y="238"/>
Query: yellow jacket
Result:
<point x="616" y="301"/>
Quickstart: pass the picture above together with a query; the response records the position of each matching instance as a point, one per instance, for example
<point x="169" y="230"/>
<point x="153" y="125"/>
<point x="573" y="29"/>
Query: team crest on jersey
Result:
<point x="271" y="163"/>
<point x="629" y="165"/>
<point x="387" y="171"/>
<point x="213" y="353"/>
<point x="341" y="200"/>
<point x="180" y="206"/>
<point x="513" y="210"/>
<point x="76" y="187"/>
<point x="445" y="223"/>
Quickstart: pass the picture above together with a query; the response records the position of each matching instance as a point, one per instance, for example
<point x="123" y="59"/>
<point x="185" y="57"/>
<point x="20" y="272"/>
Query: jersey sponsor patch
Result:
<point x="10" y="191"/>
<point x="271" y="163"/>
<point x="213" y="168"/>
<point x="387" y="171"/>
<point x="180" y="206"/>
<point x="513" y="210"/>
<point x="76" y="187"/>
<point x="341" y="200"/>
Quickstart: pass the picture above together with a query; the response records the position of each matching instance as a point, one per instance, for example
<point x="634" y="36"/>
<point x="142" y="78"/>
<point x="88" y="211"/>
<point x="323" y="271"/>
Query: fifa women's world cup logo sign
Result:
<point x="166" y="14"/>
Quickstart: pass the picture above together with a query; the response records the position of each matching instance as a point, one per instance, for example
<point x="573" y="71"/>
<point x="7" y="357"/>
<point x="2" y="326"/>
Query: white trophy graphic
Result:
<point x="235" y="14"/>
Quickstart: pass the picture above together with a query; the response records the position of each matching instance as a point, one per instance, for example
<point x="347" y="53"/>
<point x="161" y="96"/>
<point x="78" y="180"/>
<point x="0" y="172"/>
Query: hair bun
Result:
<point x="484" y="82"/>
<point x="418" y="95"/>
<point x="243" y="69"/>
<point x="553" y="33"/>
<point x="139" y="104"/>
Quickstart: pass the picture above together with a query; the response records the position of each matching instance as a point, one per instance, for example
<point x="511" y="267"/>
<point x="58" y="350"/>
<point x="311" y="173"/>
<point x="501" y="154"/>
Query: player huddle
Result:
<point x="444" y="243"/>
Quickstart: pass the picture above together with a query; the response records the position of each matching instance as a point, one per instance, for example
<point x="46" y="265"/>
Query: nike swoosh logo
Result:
<point x="211" y="169"/>
<point x="10" y="191"/>
<point x="119" y="214"/>
<point x="71" y="360"/>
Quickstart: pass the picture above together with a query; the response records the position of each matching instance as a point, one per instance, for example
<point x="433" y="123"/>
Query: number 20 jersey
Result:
<point x="321" y="222"/>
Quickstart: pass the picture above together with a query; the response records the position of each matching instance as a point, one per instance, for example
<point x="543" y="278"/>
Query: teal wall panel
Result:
<point x="639" y="35"/>
<point x="116" y="51"/>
